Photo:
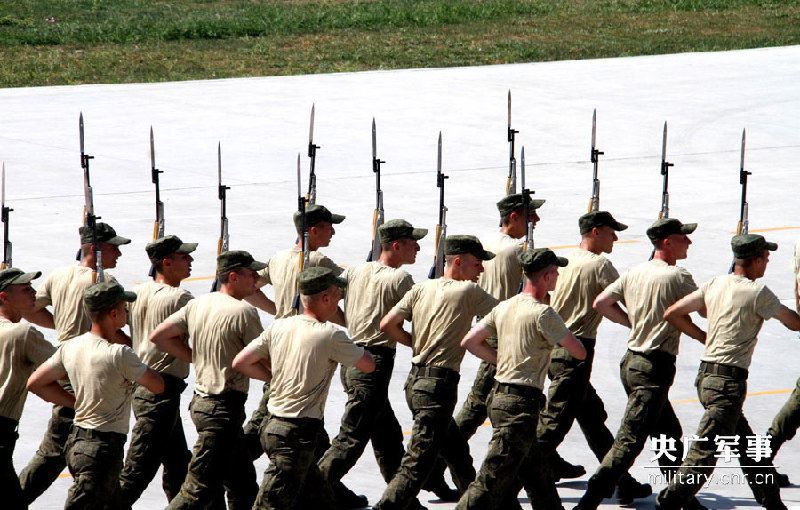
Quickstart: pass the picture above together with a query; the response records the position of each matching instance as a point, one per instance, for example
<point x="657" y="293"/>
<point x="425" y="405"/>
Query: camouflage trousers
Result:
<point x="722" y="390"/>
<point x="220" y="465"/>
<point x="94" y="459"/>
<point x="513" y="454"/>
<point x="368" y="416"/>
<point x="646" y="379"/>
<point x="786" y="422"/>
<point x="12" y="493"/>
<point x="473" y="412"/>
<point x="49" y="461"/>
<point x="571" y="397"/>
<point x="431" y="395"/>
<point x="291" y="445"/>
<point x="157" y="438"/>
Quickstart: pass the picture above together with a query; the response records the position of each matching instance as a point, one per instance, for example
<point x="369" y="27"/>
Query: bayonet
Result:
<point x="594" y="202"/>
<point x="158" y="226"/>
<point x="441" y="228"/>
<point x="743" y="226"/>
<point x="7" y="263"/>
<point x="511" y="181"/>
<point x="224" y="238"/>
<point x="311" y="196"/>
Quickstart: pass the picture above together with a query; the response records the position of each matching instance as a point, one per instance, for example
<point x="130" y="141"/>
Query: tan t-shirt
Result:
<point x="154" y="303"/>
<point x="102" y="375"/>
<point x="502" y="275"/>
<point x="372" y="290"/>
<point x="281" y="273"/>
<point x="303" y="354"/>
<point x="219" y="327"/>
<point x="646" y="291"/>
<point x="579" y="283"/>
<point x="22" y="349"/>
<point x="441" y="313"/>
<point x="736" y="308"/>
<point x="526" y="332"/>
<point x="63" y="289"/>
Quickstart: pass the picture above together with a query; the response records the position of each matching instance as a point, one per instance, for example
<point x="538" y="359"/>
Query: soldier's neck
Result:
<point x="10" y="314"/>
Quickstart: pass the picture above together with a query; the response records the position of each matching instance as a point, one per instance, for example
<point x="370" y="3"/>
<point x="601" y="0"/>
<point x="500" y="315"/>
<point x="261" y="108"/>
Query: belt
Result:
<point x="708" y="367"/>
<point x="518" y="390"/>
<point x="233" y="397"/>
<point x="85" y="433"/>
<point x="298" y="421"/>
<point x="656" y="356"/>
<point x="380" y="350"/>
<point x="438" y="372"/>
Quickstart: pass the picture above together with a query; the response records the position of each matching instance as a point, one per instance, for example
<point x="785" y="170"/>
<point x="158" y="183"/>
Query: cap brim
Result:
<point x="340" y="282"/>
<point x="257" y="266"/>
<point x="186" y="248"/>
<point x="337" y="218"/>
<point x="771" y="246"/>
<point x="128" y="296"/>
<point x="688" y="228"/>
<point x="418" y="233"/>
<point x="484" y="255"/>
<point x="618" y="226"/>
<point x="25" y="277"/>
<point x="537" y="203"/>
<point x="118" y="240"/>
<point x="561" y="262"/>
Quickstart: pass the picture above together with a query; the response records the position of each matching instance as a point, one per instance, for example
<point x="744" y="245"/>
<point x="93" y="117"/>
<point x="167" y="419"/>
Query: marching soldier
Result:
<point x="571" y="396"/>
<point x="101" y="372"/>
<point x="157" y="436"/>
<point x="299" y="355"/>
<point x="441" y="312"/>
<point x="22" y="349"/>
<point x="63" y="290"/>
<point x="526" y="330"/>
<point x="220" y="325"/>
<point x="736" y="307"/>
<point x="648" y="368"/>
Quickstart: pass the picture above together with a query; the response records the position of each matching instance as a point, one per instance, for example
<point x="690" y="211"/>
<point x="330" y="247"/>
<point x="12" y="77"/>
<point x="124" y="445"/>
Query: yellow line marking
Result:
<point x="770" y="229"/>
<point x="65" y="475"/>
<point x="686" y="401"/>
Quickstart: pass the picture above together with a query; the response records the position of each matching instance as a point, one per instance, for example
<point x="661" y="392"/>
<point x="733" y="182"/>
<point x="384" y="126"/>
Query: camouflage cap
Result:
<point x="105" y="234"/>
<point x="12" y="276"/>
<point x="316" y="213"/>
<point x="236" y="259"/>
<point x="393" y="230"/>
<point x="594" y="219"/>
<point x="538" y="259"/>
<point x="515" y="202"/>
<point x="165" y="246"/>
<point x="105" y="295"/>
<point x="317" y="279"/>
<point x="665" y="227"/>
<point x="457" y="245"/>
<point x="746" y="246"/>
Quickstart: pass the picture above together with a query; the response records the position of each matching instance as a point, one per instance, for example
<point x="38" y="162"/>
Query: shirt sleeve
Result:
<point x="687" y="283"/>
<point x="37" y="349"/>
<point x="180" y="320"/>
<point x="43" y="293"/>
<point x="326" y="262"/>
<point x="130" y="366"/>
<point x="343" y="350"/>
<point x="552" y="326"/>
<point x="616" y="289"/>
<point x="767" y="304"/>
<point x="252" y="325"/>
<point x="260" y="344"/>
<point x="482" y="302"/>
<point x="608" y="274"/>
<point x="489" y="322"/>
<point x="406" y="304"/>
<point x="404" y="284"/>
<point x="263" y="276"/>
<point x="57" y="359"/>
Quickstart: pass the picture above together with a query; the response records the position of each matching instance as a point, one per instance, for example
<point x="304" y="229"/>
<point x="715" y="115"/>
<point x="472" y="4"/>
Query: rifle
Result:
<point x="158" y="225"/>
<point x="511" y="181"/>
<point x="526" y="207"/>
<point x="437" y="269"/>
<point x="89" y="219"/>
<point x="377" y="215"/>
<point x="743" y="225"/>
<point x="222" y="244"/>
<point x="6" y="242"/>
<point x="302" y="261"/>
<point x="594" y="202"/>
<point x="664" y="212"/>
<point x="311" y="196"/>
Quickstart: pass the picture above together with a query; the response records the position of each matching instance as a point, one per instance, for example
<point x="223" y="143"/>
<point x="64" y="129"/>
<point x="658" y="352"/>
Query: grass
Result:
<point x="48" y="42"/>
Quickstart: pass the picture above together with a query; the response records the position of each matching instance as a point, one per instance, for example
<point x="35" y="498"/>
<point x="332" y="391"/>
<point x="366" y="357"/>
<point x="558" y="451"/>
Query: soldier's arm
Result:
<point x="40" y="316"/>
<point x="169" y="338"/>
<point x="338" y="318"/>
<point x="796" y="294"/>
<point x="43" y="382"/>
<point x="120" y="337"/>
<point x="789" y="318"/>
<point x="262" y="302"/>
<point x="366" y="364"/>
<point x="151" y="380"/>
<point x="252" y="364"/>
<point x="475" y="342"/>
<point x="678" y="316"/>
<point x="609" y="308"/>
<point x="573" y="346"/>
<point x="392" y="325"/>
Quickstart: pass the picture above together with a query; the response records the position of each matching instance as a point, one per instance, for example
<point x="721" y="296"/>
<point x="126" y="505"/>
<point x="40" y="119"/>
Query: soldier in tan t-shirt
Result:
<point x="219" y="324"/>
<point x="22" y="349"/>
<point x="63" y="291"/>
<point x="441" y="313"/>
<point x="157" y="437"/>
<point x="101" y="371"/>
<point x="299" y="356"/>
<point x="571" y="396"/>
<point x="648" y="368"/>
<point x="736" y="306"/>
<point x="526" y="330"/>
